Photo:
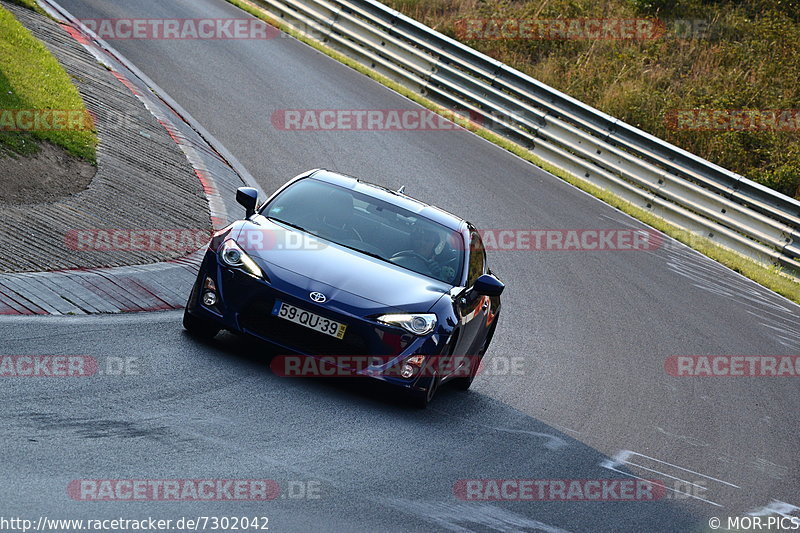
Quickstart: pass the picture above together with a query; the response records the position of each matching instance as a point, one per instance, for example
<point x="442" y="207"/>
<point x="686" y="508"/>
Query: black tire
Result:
<point x="465" y="383"/>
<point x="420" y="400"/>
<point x="198" y="327"/>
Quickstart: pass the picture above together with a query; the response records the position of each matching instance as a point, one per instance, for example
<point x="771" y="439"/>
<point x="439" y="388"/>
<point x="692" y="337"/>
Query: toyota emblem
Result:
<point x="317" y="297"/>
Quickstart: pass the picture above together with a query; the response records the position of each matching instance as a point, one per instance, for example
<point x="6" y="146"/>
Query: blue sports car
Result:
<point x="354" y="274"/>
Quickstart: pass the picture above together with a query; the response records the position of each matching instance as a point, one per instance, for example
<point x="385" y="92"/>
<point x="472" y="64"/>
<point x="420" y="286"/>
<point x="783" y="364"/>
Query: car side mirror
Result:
<point x="248" y="197"/>
<point x="488" y="285"/>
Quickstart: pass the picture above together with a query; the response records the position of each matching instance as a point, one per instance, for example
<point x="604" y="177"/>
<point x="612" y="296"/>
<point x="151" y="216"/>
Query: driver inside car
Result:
<point x="424" y="243"/>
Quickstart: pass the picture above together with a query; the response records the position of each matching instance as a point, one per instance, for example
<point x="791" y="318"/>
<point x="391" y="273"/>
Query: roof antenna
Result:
<point x="401" y="190"/>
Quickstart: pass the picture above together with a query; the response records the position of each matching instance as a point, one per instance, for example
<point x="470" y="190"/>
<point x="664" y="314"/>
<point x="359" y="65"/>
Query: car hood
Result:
<point x="297" y="262"/>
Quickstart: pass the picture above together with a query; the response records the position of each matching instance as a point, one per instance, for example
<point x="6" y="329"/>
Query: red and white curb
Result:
<point x="159" y="286"/>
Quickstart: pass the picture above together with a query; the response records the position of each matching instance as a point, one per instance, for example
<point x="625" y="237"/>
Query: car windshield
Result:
<point x="372" y="226"/>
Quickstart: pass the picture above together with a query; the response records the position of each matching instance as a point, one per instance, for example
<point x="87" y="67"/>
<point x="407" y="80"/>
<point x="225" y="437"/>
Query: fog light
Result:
<point x="411" y="366"/>
<point x="209" y="298"/>
<point x="416" y="360"/>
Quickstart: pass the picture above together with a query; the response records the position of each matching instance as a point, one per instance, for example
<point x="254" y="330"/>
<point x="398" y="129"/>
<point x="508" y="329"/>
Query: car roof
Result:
<point x="431" y="212"/>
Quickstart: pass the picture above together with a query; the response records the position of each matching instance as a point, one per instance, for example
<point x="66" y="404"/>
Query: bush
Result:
<point x="747" y="57"/>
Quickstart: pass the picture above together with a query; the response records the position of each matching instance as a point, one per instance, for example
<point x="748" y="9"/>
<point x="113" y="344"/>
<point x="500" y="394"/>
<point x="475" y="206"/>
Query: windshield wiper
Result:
<point x="291" y="225"/>
<point x="371" y="254"/>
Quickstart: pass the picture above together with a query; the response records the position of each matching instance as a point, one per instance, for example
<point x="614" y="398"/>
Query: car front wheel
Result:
<point x="466" y="382"/>
<point x="198" y="327"/>
<point x="420" y="400"/>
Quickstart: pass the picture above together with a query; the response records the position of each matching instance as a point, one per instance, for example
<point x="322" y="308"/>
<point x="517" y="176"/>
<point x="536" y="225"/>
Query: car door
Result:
<point x="472" y="307"/>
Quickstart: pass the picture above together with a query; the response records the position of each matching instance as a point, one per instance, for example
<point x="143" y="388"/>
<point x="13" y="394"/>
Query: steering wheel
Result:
<point x="419" y="259"/>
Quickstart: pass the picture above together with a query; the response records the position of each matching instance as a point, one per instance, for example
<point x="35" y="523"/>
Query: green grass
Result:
<point x="748" y="58"/>
<point x="30" y="4"/>
<point x="771" y="277"/>
<point x="32" y="79"/>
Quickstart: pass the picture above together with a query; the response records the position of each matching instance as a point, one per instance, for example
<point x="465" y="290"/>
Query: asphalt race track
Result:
<point x="592" y="329"/>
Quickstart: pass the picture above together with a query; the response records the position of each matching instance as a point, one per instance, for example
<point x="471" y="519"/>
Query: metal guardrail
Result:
<point x="688" y="191"/>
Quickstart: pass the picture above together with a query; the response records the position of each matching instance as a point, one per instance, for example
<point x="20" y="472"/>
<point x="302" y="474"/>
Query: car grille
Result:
<point x="258" y="318"/>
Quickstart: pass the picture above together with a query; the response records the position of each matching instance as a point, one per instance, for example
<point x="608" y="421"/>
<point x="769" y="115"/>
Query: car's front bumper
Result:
<point x="244" y="305"/>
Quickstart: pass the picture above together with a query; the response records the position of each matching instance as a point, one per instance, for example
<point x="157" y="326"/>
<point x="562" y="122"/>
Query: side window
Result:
<point x="477" y="258"/>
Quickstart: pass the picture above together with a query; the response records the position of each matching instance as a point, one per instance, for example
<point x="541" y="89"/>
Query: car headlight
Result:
<point x="233" y="256"/>
<point x="418" y="324"/>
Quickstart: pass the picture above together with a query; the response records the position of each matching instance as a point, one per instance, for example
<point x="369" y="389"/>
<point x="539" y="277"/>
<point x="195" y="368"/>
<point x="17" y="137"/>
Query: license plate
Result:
<point x="309" y="319"/>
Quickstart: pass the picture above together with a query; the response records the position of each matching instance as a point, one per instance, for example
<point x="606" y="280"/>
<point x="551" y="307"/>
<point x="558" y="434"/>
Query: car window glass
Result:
<point x="477" y="259"/>
<point x="380" y="229"/>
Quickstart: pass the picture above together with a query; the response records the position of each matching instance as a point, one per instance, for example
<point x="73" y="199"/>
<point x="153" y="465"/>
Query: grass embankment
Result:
<point x="30" y="4"/>
<point x="32" y="79"/>
<point x="713" y="54"/>
<point x="771" y="278"/>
